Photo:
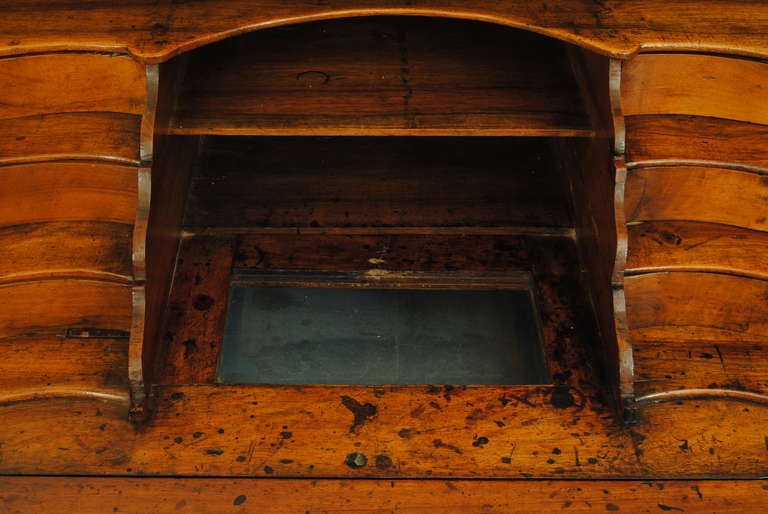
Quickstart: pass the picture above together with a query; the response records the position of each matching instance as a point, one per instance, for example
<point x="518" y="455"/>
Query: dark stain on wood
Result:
<point x="361" y="412"/>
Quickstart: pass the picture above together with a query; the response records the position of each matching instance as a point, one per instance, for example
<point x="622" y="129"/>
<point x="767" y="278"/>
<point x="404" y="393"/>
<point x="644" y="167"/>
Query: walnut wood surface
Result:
<point x="54" y="365"/>
<point x="80" y="248"/>
<point x="165" y="495"/>
<point x="155" y="31"/>
<point x="71" y="136"/>
<point x="382" y="76"/>
<point x="68" y="83"/>
<point x="67" y="191"/>
<point x="700" y="85"/>
<point x="378" y="182"/>
<point x="675" y="306"/>
<point x="220" y="431"/>
<point x="688" y="193"/>
<point x="678" y="138"/>
<point x="663" y="366"/>
<point x="693" y="246"/>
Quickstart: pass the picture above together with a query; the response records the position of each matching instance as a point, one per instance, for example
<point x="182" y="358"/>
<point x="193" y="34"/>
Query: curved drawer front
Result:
<point x="701" y="85"/>
<point x="694" y="193"/>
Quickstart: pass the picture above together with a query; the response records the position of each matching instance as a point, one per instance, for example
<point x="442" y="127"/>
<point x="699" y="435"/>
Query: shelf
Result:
<point x="381" y="76"/>
<point x="327" y="184"/>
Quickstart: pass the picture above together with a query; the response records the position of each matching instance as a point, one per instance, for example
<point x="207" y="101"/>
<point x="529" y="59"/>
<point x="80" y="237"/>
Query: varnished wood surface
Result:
<point x="52" y="306"/>
<point x="382" y="76"/>
<point x="86" y="248"/>
<point x="165" y="495"/>
<point x="675" y="306"/>
<point x="71" y="136"/>
<point x="700" y="85"/>
<point x="68" y="83"/>
<point x="691" y="246"/>
<point x="305" y="432"/>
<point x="156" y="31"/>
<point x="378" y="182"/>
<point x="54" y="365"/>
<point x="67" y="191"/>
<point x="688" y="193"/>
<point x="678" y="138"/>
<point x="663" y="366"/>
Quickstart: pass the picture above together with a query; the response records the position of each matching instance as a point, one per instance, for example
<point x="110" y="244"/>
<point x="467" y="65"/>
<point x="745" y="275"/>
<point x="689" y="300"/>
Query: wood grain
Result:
<point x="675" y="306"/>
<point x="680" y="193"/>
<point x="692" y="246"/>
<point x="165" y="495"/>
<point x="85" y="248"/>
<point x="67" y="191"/>
<point x="382" y="76"/>
<point x="694" y="84"/>
<point x="678" y="138"/>
<point x="71" y="136"/>
<point x="378" y="182"/>
<point x="157" y="31"/>
<point x="68" y="83"/>
<point x="664" y="366"/>
<point x="52" y="306"/>
<point x="53" y="365"/>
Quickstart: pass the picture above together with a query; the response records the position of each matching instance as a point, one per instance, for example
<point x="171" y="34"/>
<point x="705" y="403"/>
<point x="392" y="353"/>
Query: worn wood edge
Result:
<point x="150" y="114"/>
<point x="569" y="232"/>
<point x="617" y="114"/>
<point x="84" y="274"/>
<point x="141" y="223"/>
<point x="79" y="157"/>
<point x="717" y="270"/>
<point x="703" y="394"/>
<point x="53" y="393"/>
<point x="137" y="389"/>
<point x="367" y="131"/>
<point x="662" y="163"/>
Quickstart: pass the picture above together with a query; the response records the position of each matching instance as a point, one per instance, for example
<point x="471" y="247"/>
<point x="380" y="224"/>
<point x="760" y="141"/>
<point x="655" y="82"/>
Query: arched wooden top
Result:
<point x="154" y="33"/>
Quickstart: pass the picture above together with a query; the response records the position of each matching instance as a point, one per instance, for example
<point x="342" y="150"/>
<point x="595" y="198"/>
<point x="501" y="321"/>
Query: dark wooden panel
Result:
<point x="165" y="495"/>
<point x="687" y="193"/>
<point x="66" y="248"/>
<point x="381" y="182"/>
<point x="676" y="306"/>
<point x="98" y="135"/>
<point x="701" y="85"/>
<point x="52" y="83"/>
<point x="52" y="306"/>
<point x="55" y="365"/>
<point x="382" y="76"/>
<point x="67" y="191"/>
<point x="660" y="245"/>
<point x="694" y="138"/>
<point x="665" y="366"/>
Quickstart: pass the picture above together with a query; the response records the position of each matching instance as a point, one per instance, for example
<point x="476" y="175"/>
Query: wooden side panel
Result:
<point x="674" y="306"/>
<point x="686" y="193"/>
<point x="67" y="191"/>
<point x="165" y="495"/>
<point x="54" y="365"/>
<point x="80" y="248"/>
<point x="71" y="136"/>
<point x="76" y="82"/>
<point x="694" y="138"/>
<point x="696" y="84"/>
<point x="691" y="246"/>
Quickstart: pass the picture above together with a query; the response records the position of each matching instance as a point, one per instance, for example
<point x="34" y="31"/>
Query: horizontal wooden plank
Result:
<point x="695" y="138"/>
<point x="66" y="248"/>
<point x="97" y="135"/>
<point x="164" y="495"/>
<point x="681" y="193"/>
<point x="382" y="76"/>
<point x="52" y="306"/>
<point x="305" y="432"/>
<point x="684" y="306"/>
<point x="55" y="365"/>
<point x="666" y="366"/>
<point x="690" y="246"/>
<point x="67" y="191"/>
<point x="695" y="84"/>
<point x="379" y="182"/>
<point x="52" y="83"/>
